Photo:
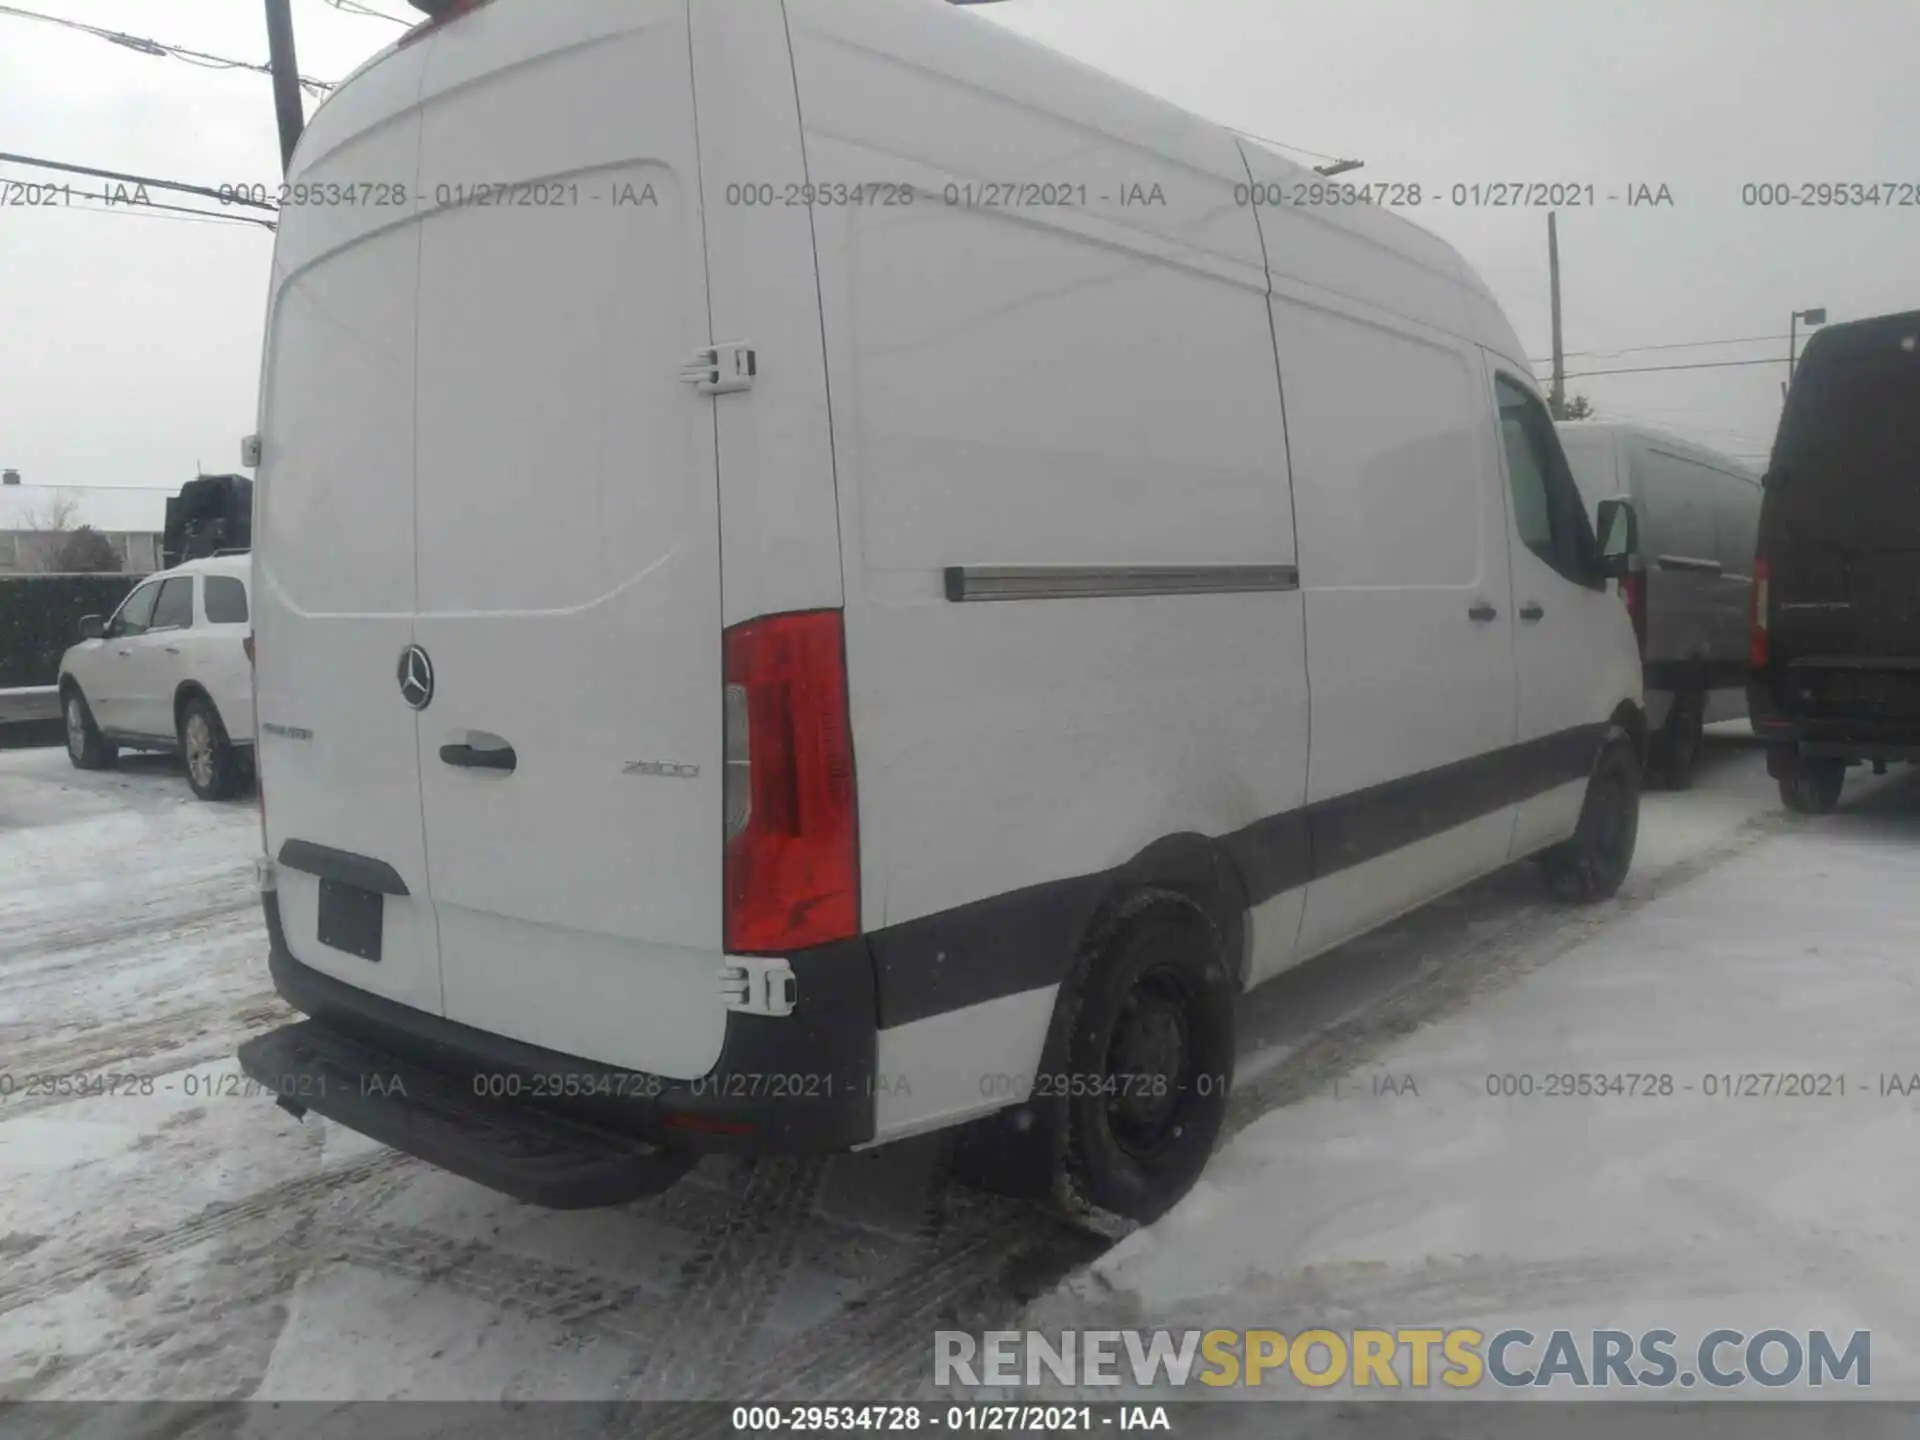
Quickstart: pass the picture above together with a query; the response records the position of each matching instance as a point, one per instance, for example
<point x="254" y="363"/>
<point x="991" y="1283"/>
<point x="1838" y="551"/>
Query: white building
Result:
<point x="34" y="519"/>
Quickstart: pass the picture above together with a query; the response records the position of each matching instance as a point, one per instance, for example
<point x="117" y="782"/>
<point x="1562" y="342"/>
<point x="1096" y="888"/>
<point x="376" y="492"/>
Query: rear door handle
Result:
<point x="468" y="758"/>
<point x="1531" y="611"/>
<point x="173" y="649"/>
<point x="125" y="652"/>
<point x="1481" y="611"/>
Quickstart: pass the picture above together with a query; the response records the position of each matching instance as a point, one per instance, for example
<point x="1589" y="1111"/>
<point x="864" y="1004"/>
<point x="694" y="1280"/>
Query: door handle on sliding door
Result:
<point x="1531" y="611"/>
<point x="1481" y="611"/>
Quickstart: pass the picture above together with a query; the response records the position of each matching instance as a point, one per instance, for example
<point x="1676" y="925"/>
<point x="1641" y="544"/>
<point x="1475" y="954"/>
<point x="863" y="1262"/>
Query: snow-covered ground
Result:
<point x="183" y="1239"/>
<point x="1412" y="1197"/>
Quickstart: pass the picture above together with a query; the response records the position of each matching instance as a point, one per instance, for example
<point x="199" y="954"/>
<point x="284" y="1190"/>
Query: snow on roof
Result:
<point x="27" y="507"/>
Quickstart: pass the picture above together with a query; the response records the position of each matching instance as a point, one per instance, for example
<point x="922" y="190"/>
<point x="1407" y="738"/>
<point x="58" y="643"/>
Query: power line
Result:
<point x="1698" y="365"/>
<point x="353" y="7"/>
<point x="211" y="194"/>
<point x="1675" y="345"/>
<point x="121" y="207"/>
<point x="144" y="46"/>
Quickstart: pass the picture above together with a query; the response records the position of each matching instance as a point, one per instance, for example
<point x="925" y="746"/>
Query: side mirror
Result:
<point x="91" y="627"/>
<point x="1619" y="538"/>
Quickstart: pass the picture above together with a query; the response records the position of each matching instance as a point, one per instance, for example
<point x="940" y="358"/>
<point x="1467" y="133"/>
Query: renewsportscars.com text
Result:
<point x="1378" y="1359"/>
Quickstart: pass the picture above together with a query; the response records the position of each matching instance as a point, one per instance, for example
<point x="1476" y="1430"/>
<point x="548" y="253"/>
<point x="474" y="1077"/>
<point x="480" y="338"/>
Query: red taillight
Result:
<point x="705" y="1125"/>
<point x="1757" y="617"/>
<point x="1634" y="588"/>
<point x="792" y="870"/>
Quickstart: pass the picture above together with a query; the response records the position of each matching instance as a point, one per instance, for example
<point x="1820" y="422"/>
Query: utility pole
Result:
<point x="1812" y="317"/>
<point x="1557" y="396"/>
<point x="286" y="79"/>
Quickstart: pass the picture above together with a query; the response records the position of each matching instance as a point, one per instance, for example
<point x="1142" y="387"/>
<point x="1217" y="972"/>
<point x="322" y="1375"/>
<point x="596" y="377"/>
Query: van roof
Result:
<point x="396" y="79"/>
<point x="1575" y="429"/>
<point x="1869" y="333"/>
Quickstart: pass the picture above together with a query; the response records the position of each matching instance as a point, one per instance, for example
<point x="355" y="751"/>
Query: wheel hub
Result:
<point x="1147" y="1063"/>
<point x="199" y="750"/>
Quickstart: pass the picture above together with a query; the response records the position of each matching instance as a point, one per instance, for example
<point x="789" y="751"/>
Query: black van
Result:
<point x="1835" y="634"/>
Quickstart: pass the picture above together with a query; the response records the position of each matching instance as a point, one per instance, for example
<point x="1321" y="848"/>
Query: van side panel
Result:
<point x="1091" y="383"/>
<point x="1402" y="537"/>
<point x="1575" y="658"/>
<point x="1682" y="555"/>
<point x="1736" y="515"/>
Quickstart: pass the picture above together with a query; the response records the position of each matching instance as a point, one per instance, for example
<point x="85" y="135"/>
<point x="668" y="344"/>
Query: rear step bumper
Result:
<point x="1859" y="734"/>
<point x="481" y="1105"/>
<point x="530" y="1154"/>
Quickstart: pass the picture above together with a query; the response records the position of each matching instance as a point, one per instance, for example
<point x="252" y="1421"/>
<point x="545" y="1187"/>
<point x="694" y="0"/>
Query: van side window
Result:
<point x="1548" y="512"/>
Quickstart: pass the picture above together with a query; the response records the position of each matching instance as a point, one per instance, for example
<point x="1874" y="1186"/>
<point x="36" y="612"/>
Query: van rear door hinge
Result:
<point x="721" y="369"/>
<point x="758" y="984"/>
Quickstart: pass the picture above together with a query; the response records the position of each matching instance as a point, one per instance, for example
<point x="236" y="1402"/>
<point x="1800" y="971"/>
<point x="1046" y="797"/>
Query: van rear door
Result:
<point x="333" y="585"/>
<point x="1840" y="523"/>
<point x="568" y="536"/>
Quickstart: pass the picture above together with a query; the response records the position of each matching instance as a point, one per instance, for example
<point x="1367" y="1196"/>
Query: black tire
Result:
<point x="1592" y="865"/>
<point x="1812" y="786"/>
<point x="1149" y="1021"/>
<point x="1675" y="751"/>
<point x="87" y="748"/>
<point x="213" y="769"/>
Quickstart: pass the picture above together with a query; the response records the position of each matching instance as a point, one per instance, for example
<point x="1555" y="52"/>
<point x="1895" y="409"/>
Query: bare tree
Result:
<point x="55" y="517"/>
<point x="46" y="526"/>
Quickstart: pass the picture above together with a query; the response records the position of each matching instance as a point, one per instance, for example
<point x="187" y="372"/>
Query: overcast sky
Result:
<point x="130" y="343"/>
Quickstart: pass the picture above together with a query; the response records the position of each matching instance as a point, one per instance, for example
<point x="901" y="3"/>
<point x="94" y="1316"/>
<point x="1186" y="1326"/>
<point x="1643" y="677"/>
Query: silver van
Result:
<point x="1699" y="518"/>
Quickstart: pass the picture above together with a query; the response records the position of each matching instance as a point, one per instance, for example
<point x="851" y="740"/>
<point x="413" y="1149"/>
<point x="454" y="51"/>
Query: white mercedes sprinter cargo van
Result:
<point x="824" y="572"/>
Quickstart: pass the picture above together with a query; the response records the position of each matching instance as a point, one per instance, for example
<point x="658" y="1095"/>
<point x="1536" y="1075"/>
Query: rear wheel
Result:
<point x="87" y="748"/>
<point x="1812" y="786"/>
<point x="1149" y="1060"/>
<point x="1675" y="751"/>
<point x="1592" y="865"/>
<point x="213" y="770"/>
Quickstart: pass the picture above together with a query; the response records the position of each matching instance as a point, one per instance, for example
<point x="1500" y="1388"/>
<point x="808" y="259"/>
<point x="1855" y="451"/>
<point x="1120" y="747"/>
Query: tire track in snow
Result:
<point x="1537" y="936"/>
<point x="738" y="1262"/>
<point x="282" y="1202"/>
<point x="168" y="1039"/>
<point x="25" y="944"/>
<point x="483" y="1270"/>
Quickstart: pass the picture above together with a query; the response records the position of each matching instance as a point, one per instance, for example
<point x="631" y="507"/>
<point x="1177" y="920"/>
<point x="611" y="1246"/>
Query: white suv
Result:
<point x="168" y="672"/>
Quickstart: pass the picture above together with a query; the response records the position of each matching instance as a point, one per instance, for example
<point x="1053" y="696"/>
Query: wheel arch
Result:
<point x="192" y="690"/>
<point x="1632" y="719"/>
<point x="1013" y="1150"/>
<point x="1199" y="870"/>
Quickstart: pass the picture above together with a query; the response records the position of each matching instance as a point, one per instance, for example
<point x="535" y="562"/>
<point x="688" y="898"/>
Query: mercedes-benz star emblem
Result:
<point x="416" y="677"/>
